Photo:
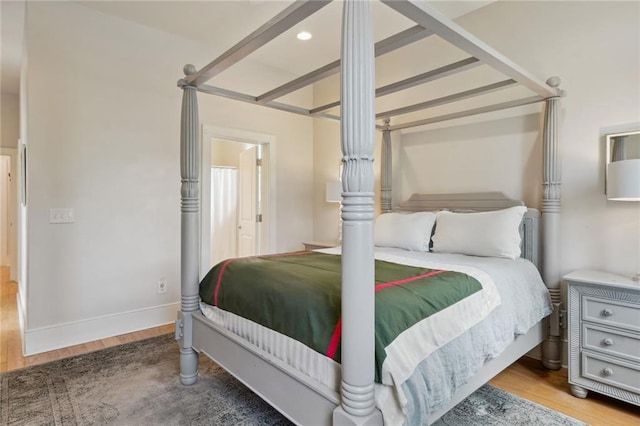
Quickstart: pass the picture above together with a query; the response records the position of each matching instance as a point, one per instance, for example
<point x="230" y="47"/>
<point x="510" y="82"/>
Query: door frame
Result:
<point x="12" y="210"/>
<point x="268" y="228"/>
<point x="5" y="211"/>
<point x="251" y="201"/>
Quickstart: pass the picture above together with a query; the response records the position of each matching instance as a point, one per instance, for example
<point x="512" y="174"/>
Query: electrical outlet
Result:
<point x="162" y="285"/>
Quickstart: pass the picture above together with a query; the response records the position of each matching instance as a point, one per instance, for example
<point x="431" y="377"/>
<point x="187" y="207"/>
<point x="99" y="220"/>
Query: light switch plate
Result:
<point x="61" y="216"/>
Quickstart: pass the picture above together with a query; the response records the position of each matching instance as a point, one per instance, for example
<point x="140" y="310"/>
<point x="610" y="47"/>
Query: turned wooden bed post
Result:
<point x="189" y="248"/>
<point x="358" y="133"/>
<point x="552" y="181"/>
<point x="385" y="169"/>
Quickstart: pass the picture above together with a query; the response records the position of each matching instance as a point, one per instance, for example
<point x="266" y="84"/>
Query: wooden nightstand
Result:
<point x="604" y="335"/>
<point x="314" y="245"/>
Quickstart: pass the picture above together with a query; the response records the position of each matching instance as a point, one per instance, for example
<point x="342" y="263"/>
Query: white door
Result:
<point x="248" y="203"/>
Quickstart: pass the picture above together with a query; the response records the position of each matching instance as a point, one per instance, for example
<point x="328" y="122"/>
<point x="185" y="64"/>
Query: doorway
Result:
<point x="238" y="194"/>
<point x="8" y="211"/>
<point x="5" y="222"/>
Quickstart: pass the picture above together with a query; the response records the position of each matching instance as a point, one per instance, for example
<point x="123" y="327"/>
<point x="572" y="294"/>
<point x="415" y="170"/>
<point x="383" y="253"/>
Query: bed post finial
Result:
<point x="386" y="169"/>
<point x="554" y="82"/>
<point x="552" y="181"/>
<point x="190" y="206"/>
<point x="358" y="145"/>
<point x="189" y="69"/>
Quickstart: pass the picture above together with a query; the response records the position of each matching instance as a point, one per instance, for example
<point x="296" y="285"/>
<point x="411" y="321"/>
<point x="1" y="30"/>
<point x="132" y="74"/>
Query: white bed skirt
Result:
<point x="318" y="367"/>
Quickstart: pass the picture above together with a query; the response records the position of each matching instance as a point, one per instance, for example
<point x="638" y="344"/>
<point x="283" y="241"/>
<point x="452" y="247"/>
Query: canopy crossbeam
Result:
<point x="429" y="17"/>
<point x="429" y="22"/>
<point x="243" y="97"/>
<point x="468" y="113"/>
<point x="389" y="44"/>
<point x="448" y="99"/>
<point x="445" y="71"/>
<point x="292" y="15"/>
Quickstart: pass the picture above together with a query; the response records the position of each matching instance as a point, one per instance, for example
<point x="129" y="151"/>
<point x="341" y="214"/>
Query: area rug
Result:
<point x="137" y="384"/>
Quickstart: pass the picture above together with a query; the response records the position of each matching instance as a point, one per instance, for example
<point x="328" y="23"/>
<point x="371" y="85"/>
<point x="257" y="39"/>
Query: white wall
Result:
<point x="227" y="153"/>
<point x="103" y="124"/>
<point x="597" y="56"/>
<point x="9" y="120"/>
<point x="326" y="163"/>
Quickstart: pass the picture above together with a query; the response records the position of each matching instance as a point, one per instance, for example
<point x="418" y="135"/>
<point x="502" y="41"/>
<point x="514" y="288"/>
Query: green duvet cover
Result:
<point x="298" y="295"/>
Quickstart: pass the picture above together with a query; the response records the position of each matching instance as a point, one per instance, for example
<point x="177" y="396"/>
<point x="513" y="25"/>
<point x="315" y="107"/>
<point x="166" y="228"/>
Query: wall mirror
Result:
<point x="622" y="168"/>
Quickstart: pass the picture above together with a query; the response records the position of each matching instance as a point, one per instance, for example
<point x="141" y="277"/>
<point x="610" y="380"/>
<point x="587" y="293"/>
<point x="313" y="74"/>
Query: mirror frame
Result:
<point x="610" y="137"/>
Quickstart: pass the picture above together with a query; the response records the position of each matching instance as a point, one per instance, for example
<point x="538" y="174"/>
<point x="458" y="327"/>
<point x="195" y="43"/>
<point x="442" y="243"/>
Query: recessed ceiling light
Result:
<point x="303" y="35"/>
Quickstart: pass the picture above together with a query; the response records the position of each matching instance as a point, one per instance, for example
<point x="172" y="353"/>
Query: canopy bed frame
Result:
<point x="354" y="404"/>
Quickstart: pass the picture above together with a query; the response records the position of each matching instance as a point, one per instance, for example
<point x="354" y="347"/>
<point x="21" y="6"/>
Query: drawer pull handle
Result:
<point x="607" y="312"/>
<point x="607" y="371"/>
<point x="607" y="342"/>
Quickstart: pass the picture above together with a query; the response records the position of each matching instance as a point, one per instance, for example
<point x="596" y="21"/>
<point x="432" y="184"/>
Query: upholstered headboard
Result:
<point x="482" y="201"/>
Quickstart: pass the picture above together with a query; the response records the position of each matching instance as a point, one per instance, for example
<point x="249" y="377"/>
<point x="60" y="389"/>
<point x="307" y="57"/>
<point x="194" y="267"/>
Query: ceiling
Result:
<point x="220" y="24"/>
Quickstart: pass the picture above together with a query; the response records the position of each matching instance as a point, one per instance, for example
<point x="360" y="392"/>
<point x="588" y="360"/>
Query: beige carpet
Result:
<point x="138" y="384"/>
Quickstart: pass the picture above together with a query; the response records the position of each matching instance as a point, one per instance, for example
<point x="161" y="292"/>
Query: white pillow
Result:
<point x="491" y="234"/>
<point x="410" y="231"/>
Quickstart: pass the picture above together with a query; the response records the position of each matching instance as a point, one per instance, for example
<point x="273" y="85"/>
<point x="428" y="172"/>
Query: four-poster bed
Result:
<point x="268" y="375"/>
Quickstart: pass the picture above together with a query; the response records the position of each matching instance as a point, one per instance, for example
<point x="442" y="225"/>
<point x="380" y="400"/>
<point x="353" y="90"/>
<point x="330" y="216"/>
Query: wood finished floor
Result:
<point x="11" y="342"/>
<point x="525" y="378"/>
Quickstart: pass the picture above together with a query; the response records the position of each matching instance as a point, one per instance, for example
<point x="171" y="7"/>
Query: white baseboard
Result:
<point x="75" y="333"/>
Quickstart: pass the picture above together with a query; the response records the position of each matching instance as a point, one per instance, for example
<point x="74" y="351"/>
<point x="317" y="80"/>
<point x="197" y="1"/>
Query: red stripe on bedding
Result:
<point x="215" y="295"/>
<point x="227" y="262"/>
<point x="337" y="332"/>
<point x="407" y="280"/>
<point x="335" y="340"/>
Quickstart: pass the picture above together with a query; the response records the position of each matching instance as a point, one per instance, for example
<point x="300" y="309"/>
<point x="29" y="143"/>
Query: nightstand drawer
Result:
<point x="614" y="373"/>
<point x="611" y="312"/>
<point x="610" y="341"/>
<point x="604" y="335"/>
